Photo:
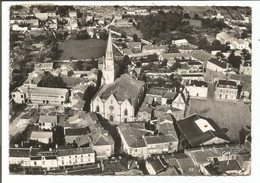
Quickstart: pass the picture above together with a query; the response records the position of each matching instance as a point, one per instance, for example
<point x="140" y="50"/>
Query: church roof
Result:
<point x="123" y="88"/>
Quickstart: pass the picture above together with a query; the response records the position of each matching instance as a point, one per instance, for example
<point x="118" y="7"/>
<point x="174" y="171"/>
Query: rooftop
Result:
<point x="196" y="83"/>
<point x="197" y="129"/>
<point x="41" y="134"/>
<point x="48" y="119"/>
<point x="19" y="152"/>
<point x="75" y="151"/>
<point x="76" y="131"/>
<point x="124" y="88"/>
<point x="219" y="63"/>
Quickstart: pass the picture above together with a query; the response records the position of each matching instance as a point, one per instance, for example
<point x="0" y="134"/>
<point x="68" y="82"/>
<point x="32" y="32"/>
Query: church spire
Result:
<point x="108" y="70"/>
<point x="109" y="51"/>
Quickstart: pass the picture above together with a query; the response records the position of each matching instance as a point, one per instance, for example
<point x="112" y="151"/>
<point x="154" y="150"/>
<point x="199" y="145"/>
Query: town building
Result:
<point x="154" y="49"/>
<point x="119" y="101"/>
<point x="19" y="156"/>
<point x="214" y="64"/>
<point x="75" y="156"/>
<point x="183" y="164"/>
<point x="197" y="130"/>
<point x="226" y="89"/>
<point x="224" y="38"/>
<point x="41" y="95"/>
<point x="154" y="166"/>
<point x="47" y="122"/>
<point x="71" y="134"/>
<point x="245" y="68"/>
<point x="45" y="137"/>
<point x="138" y="141"/>
<point x="197" y="88"/>
<point x="180" y="42"/>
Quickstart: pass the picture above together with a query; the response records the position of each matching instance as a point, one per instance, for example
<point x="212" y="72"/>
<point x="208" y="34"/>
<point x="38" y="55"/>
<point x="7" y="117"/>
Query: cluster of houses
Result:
<point x="150" y="120"/>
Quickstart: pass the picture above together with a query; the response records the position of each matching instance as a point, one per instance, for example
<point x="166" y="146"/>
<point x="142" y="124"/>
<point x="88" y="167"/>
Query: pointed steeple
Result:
<point x="108" y="64"/>
<point x="109" y="51"/>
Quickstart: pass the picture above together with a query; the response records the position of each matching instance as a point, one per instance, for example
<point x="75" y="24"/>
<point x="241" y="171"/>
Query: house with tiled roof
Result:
<point x="47" y="122"/>
<point x="102" y="143"/>
<point x="120" y="100"/>
<point x="140" y="142"/>
<point x="45" y="137"/>
<point x="183" y="164"/>
<point x="154" y="166"/>
<point x="19" y="156"/>
<point x="215" y="64"/>
<point x="154" y="49"/>
<point x="75" y="156"/>
<point x="224" y="38"/>
<point x="71" y="134"/>
<point x="197" y="88"/>
<point x="197" y="130"/>
<point x="226" y="90"/>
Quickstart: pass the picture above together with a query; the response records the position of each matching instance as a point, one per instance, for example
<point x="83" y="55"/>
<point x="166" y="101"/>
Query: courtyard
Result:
<point x="82" y="49"/>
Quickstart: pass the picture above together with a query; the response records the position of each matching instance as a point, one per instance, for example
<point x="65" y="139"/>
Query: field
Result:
<point x="230" y="115"/>
<point x="82" y="49"/>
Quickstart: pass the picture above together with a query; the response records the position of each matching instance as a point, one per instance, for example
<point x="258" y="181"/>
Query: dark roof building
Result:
<point x="198" y="130"/>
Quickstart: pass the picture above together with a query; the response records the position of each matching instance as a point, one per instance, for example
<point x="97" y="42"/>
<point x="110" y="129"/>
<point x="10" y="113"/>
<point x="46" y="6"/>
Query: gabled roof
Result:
<point x="76" y="131"/>
<point x="124" y="88"/>
<point x="100" y="139"/>
<point x="194" y="134"/>
<point x="133" y="134"/>
<point x="41" y="134"/>
<point x="19" y="152"/>
<point x="229" y="165"/>
<point x="157" y="164"/>
<point x="170" y="95"/>
<point x="48" y="119"/>
<point x="75" y="151"/>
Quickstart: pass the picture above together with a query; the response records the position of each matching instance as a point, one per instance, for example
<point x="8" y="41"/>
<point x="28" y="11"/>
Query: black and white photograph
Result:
<point x="129" y="90"/>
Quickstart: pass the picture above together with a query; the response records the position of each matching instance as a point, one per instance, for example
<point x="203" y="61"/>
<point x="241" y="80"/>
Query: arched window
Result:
<point x="126" y="112"/>
<point x="125" y="120"/>
<point x="111" y="118"/>
<point x="97" y="108"/>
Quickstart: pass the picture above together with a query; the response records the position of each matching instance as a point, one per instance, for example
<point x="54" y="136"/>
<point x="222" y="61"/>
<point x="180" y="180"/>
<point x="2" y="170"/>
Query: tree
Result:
<point x="173" y="49"/>
<point x="175" y="66"/>
<point x="126" y="60"/>
<point x="234" y="60"/>
<point x="186" y="15"/>
<point x="219" y="54"/>
<point x="78" y="65"/>
<point x="138" y="64"/>
<point x="135" y="38"/>
<point x="196" y="16"/>
<point x="123" y="35"/>
<point x="83" y="35"/>
<point x="48" y="80"/>
<point x="244" y="35"/>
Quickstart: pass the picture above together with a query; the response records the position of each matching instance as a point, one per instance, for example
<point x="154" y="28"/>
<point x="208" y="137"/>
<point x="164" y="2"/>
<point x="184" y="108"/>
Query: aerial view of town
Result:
<point x="130" y="90"/>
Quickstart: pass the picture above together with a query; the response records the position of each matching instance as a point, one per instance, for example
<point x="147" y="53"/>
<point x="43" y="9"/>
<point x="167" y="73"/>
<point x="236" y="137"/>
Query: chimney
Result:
<point x="16" y="145"/>
<point x="50" y="149"/>
<point x="56" y="146"/>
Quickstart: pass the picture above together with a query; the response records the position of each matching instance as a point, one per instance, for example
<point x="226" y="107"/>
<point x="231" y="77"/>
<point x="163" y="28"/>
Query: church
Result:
<point x="118" y="99"/>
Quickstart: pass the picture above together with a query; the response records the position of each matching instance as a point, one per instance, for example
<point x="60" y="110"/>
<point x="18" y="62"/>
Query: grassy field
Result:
<point x="82" y="49"/>
<point x="230" y="115"/>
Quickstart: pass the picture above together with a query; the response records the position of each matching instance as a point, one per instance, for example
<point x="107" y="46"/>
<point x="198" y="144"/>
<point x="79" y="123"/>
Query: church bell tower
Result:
<point x="108" y="63"/>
